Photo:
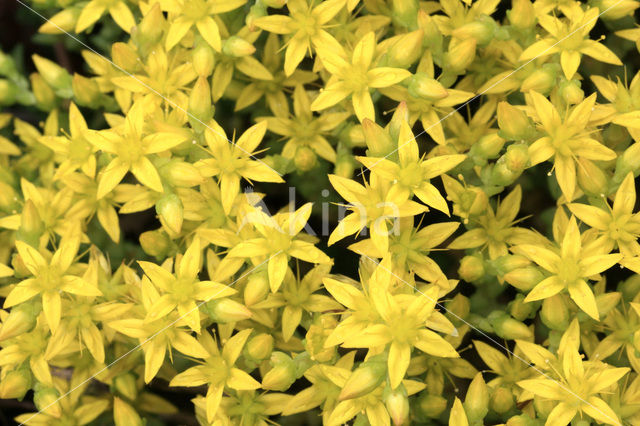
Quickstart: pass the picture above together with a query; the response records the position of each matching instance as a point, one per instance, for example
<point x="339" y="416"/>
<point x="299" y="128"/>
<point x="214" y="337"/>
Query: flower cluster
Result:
<point x="478" y="263"/>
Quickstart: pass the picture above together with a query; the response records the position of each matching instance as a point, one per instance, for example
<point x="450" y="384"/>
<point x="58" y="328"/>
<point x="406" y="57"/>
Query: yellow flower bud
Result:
<point x="517" y="157"/>
<point x="227" y="310"/>
<point x="45" y="96"/>
<point x="471" y="268"/>
<point x="181" y="174"/>
<point x="509" y="262"/>
<point x="397" y="404"/>
<point x="170" y="212"/>
<point x="55" y="76"/>
<point x="15" y="384"/>
<point x="155" y="243"/>
<point x="237" y="47"/>
<point x="405" y="12"/>
<point x="21" y="319"/>
<point x="524" y="278"/>
<point x="364" y="379"/>
<point x="522" y="14"/>
<point x="519" y="309"/>
<point x="30" y="222"/>
<point x="501" y="400"/>
<point x="282" y="375"/>
<point x="260" y="346"/>
<point x="507" y="327"/>
<point x="513" y="122"/>
<point x="203" y="59"/>
<point x="432" y="405"/>
<point x="377" y="139"/>
<point x="257" y="288"/>
<point x="476" y="402"/>
<point x="305" y="159"/>
<point x="150" y="29"/>
<point x="555" y="313"/>
<point x="616" y="9"/>
<point x="8" y="198"/>
<point x="461" y="54"/>
<point x="541" y="80"/>
<point x="124" y="56"/>
<point x="423" y="86"/>
<point x="19" y="268"/>
<point x="571" y="92"/>
<point x="458" y="305"/>
<point x="85" y="91"/>
<point x="201" y="109"/>
<point x="405" y="50"/>
<point x="591" y="178"/>
<point x="8" y="92"/>
<point x="125" y="384"/>
<point x="482" y="30"/>
<point x="46" y="400"/>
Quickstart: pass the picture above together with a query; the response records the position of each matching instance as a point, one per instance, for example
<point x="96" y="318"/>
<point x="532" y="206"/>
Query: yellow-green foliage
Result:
<point x="244" y="311"/>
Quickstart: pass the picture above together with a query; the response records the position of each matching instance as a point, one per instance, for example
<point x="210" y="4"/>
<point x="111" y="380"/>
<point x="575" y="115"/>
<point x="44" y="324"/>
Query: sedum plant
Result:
<point x="459" y="244"/>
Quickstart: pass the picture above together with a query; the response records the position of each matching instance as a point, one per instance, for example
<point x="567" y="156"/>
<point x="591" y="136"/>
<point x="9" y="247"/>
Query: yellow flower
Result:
<point x="570" y="269"/>
<point x="306" y="24"/>
<point x="94" y="10"/>
<point x="570" y="38"/>
<point x="51" y="279"/>
<point x="617" y="226"/>
<point x="233" y="161"/>
<point x="198" y="13"/>
<point x="624" y="106"/>
<point x="280" y="239"/>
<point x="182" y="290"/>
<point x="217" y="370"/>
<point x="575" y="388"/>
<point x="413" y="173"/>
<point x="132" y="150"/>
<point x="355" y="78"/>
<point x="565" y="139"/>
<point x="302" y="129"/>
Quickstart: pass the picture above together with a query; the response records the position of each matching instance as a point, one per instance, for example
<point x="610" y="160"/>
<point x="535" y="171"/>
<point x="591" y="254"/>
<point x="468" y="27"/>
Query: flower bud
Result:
<point x="150" y="29"/>
<point x="124" y="56"/>
<point x="15" y="384"/>
<point x="423" y="86"/>
<point x="473" y="201"/>
<point x="489" y="146"/>
<point x="630" y="287"/>
<point x="203" y="58"/>
<point x="124" y="414"/>
<point x="476" y="402"/>
<point x="305" y="159"/>
<point x="378" y="141"/>
<point x="275" y="4"/>
<point x="46" y="398"/>
<point x="8" y="198"/>
<point x="85" y="91"/>
<point x="21" y="319"/>
<point x="458" y="305"/>
<point x="8" y="92"/>
<point x="30" y="223"/>
<point x="517" y="157"/>
<point x="7" y="66"/>
<point x="513" y="122"/>
<point x="282" y="375"/>
<point x="461" y="54"/>
<point x="171" y="213"/>
<point x="522" y="14"/>
<point x="155" y="243"/>
<point x="570" y="92"/>
<point x="397" y="404"/>
<point x="45" y="96"/>
<point x="501" y="400"/>
<point x="616" y="9"/>
<point x="260" y="347"/>
<point x="482" y="30"/>
<point x="555" y="313"/>
<point x="406" y="50"/>
<point x="519" y="309"/>
<point x="237" y="47"/>
<point x="125" y="385"/>
<point x="524" y="278"/>
<point x="522" y="420"/>
<point x="55" y="76"/>
<point x="591" y="178"/>
<point x="508" y="263"/>
<point x="541" y="80"/>
<point x="471" y="268"/>
<point x="364" y="379"/>
<point x="19" y="268"/>
<point x="404" y="12"/>
<point x="432" y="405"/>
<point x="257" y="288"/>
<point x="201" y="109"/>
<point x="61" y="22"/>
<point x="507" y="327"/>
<point x="227" y="310"/>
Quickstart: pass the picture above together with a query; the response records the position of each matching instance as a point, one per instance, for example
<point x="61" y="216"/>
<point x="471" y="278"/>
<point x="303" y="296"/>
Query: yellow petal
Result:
<point x="581" y="293"/>
<point x="209" y="31"/>
<point x="545" y="288"/>
<point x="111" y="176"/>
<point x="146" y="173"/>
<point x="398" y="362"/>
<point x="570" y="61"/>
